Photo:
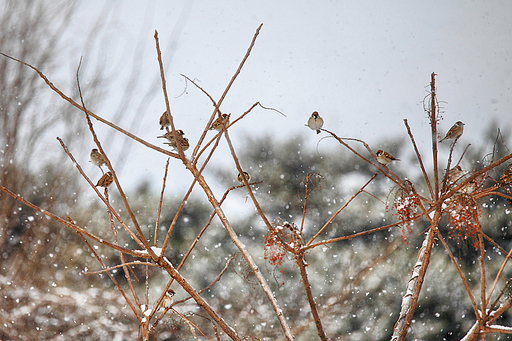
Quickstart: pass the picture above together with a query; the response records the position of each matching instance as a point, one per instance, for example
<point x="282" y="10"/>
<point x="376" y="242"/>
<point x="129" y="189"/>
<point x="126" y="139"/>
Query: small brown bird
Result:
<point x="168" y="300"/>
<point x="455" y="131"/>
<point x="169" y="135"/>
<point x="506" y="177"/>
<point x="220" y="122"/>
<point x="315" y="122"/>
<point x="384" y="157"/>
<point x="468" y="188"/>
<point x="183" y="141"/>
<point x="106" y="180"/>
<point x="97" y="158"/>
<point x="241" y="180"/>
<point x="164" y="121"/>
<point x="454" y="174"/>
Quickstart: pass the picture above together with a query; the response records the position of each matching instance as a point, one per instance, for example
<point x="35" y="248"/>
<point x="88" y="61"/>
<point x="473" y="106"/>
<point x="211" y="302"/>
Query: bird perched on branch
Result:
<point x="454" y="174"/>
<point x="315" y="122"/>
<point x="241" y="180"/>
<point x="384" y="157"/>
<point x="468" y="188"/>
<point x="168" y="300"/>
<point x="106" y="180"/>
<point x="221" y="121"/>
<point x="183" y="141"/>
<point x="97" y="158"/>
<point x="506" y="177"/>
<point x="164" y="121"/>
<point x="455" y="131"/>
<point x="170" y="136"/>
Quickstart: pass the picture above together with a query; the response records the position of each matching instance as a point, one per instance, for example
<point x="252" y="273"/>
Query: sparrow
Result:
<point x="183" y="141"/>
<point x="315" y="122"/>
<point x="97" y="158"/>
<point x="164" y="121"/>
<point x="384" y="157"/>
<point x="468" y="188"/>
<point x="167" y="301"/>
<point x="454" y="174"/>
<point x="106" y="180"/>
<point x="220" y="122"/>
<point x="246" y="176"/>
<point x="170" y="136"/>
<point x="455" y="131"/>
<point x="506" y="177"/>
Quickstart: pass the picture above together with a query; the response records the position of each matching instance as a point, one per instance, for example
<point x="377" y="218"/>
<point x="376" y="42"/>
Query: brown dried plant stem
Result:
<point x="98" y="258"/>
<point x="301" y="263"/>
<point x="410" y="298"/>
<point x="167" y="266"/>
<point x="71" y="225"/>
<point x="247" y="255"/>
<point x="339" y="210"/>
<point x="415" y="283"/>
<point x="109" y="165"/>
<point x="220" y="213"/>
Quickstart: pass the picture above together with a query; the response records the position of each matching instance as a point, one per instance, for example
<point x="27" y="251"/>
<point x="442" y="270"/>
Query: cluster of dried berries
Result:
<point x="463" y="218"/>
<point x="282" y="233"/>
<point x="406" y="205"/>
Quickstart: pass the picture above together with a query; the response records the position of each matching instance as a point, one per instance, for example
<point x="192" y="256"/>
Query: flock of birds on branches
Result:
<point x="315" y="122"/>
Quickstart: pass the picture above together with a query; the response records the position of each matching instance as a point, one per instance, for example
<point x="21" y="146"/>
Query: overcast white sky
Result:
<point x="363" y="65"/>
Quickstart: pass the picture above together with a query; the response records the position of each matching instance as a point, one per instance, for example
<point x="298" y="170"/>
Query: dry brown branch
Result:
<point x="340" y="209"/>
<point x="110" y="268"/>
<point x="301" y="263"/>
<point x="135" y="311"/>
<point x="359" y="234"/>
<point x="123" y="196"/>
<point x="160" y="203"/>
<point x="105" y="201"/>
<point x="347" y="292"/>
<point x="209" y="286"/>
<point x="200" y="179"/>
<point x="461" y="274"/>
<point x="90" y="113"/>
<point x="432" y="111"/>
<point x="483" y="298"/>
<point x="410" y="298"/>
<point x="500" y="271"/>
<point x="73" y="225"/>
<point x="418" y="155"/>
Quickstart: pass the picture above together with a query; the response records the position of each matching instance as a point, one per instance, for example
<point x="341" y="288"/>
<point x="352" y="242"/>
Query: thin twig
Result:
<point x="418" y="155"/>
<point x="160" y="203"/>
<point x="301" y="263"/>
<point x="341" y="209"/>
